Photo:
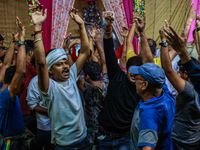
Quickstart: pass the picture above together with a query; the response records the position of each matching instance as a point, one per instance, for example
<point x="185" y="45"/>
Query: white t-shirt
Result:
<point x="66" y="110"/>
<point x="34" y="98"/>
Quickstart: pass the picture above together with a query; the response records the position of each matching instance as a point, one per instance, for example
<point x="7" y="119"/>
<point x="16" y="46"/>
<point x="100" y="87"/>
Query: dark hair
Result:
<point x="193" y="31"/>
<point x="29" y="45"/>
<point x="92" y="69"/>
<point x="152" y="46"/>
<point x="1" y="38"/>
<point x="9" y="74"/>
<point x="49" y="51"/>
<point x="2" y="58"/>
<point x="134" y="61"/>
<point x="182" y="68"/>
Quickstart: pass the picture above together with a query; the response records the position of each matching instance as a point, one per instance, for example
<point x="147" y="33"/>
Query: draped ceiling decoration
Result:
<point x="120" y="18"/>
<point x="175" y="11"/>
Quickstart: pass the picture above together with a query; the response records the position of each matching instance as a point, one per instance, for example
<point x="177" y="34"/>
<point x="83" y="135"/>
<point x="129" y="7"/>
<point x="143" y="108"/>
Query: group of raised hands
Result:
<point x="167" y="33"/>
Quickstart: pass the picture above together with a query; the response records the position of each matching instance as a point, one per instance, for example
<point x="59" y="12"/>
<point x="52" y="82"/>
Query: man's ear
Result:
<point x="145" y="85"/>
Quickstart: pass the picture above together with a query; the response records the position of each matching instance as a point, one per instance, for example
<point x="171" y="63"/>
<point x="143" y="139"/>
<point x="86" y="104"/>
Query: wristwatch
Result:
<point x="19" y="43"/>
<point x="164" y="44"/>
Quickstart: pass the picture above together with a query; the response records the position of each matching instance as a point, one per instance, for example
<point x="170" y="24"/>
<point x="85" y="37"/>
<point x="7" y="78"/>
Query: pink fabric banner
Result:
<point x="197" y="6"/>
<point x="128" y="7"/>
<point x="60" y="21"/>
<point x="46" y="26"/>
<point x="120" y="18"/>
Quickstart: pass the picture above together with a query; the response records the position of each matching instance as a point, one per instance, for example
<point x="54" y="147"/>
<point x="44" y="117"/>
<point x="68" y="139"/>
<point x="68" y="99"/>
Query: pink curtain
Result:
<point x="60" y="21"/>
<point x="46" y="27"/>
<point x="128" y="7"/>
<point x="197" y="6"/>
<point x="120" y="18"/>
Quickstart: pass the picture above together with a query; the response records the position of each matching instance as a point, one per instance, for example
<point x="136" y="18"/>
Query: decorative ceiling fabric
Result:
<point x="120" y="18"/>
<point x="60" y="20"/>
<point x="175" y="11"/>
<point x="8" y="11"/>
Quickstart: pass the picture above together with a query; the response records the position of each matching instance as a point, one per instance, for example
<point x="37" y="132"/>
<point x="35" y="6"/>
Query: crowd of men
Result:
<point x="62" y="101"/>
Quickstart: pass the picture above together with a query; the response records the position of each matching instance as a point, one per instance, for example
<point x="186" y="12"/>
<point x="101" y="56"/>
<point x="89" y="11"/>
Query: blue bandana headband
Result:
<point x="55" y="56"/>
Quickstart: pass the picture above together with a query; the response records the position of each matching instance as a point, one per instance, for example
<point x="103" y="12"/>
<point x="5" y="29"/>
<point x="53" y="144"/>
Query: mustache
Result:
<point x="65" y="70"/>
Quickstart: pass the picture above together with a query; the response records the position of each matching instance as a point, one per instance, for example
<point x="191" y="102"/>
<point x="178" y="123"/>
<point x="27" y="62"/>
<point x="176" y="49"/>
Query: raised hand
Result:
<point x="109" y="17"/>
<point x="21" y="31"/>
<point x="66" y="42"/>
<point x="74" y="15"/>
<point x="178" y="43"/>
<point x="97" y="37"/>
<point x="162" y="33"/>
<point x="124" y="32"/>
<point x="192" y="13"/>
<point x="37" y="14"/>
<point x="92" y="30"/>
<point x="140" y="22"/>
<point x="198" y="21"/>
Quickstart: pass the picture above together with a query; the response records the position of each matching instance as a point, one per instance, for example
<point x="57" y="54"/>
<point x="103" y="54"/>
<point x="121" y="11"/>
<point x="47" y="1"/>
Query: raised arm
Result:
<point x="178" y="43"/>
<point x="17" y="80"/>
<point x="8" y="57"/>
<point x="177" y="82"/>
<point x="131" y="33"/>
<point x="190" y="18"/>
<point x="97" y="40"/>
<point x="198" y="36"/>
<point x="42" y="70"/>
<point x="111" y="59"/>
<point x="66" y="46"/>
<point x="91" y="31"/>
<point x="123" y="58"/>
<point x="145" y="51"/>
<point x="84" y="51"/>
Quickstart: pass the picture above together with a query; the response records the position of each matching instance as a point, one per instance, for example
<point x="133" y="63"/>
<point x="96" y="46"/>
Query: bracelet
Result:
<point x="36" y="32"/>
<point x="198" y="29"/>
<point x="37" y="40"/>
<point x="90" y="39"/>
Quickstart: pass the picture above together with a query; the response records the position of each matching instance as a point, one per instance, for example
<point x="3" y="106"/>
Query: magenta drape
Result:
<point x="128" y="7"/>
<point x="197" y="6"/>
<point x="46" y="26"/>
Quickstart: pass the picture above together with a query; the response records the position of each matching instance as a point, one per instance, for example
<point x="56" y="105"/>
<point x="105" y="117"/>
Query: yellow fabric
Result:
<point x="131" y="53"/>
<point x="157" y="61"/>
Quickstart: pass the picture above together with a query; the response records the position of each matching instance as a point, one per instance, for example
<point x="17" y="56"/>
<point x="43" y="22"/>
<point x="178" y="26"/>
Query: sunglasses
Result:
<point x="136" y="77"/>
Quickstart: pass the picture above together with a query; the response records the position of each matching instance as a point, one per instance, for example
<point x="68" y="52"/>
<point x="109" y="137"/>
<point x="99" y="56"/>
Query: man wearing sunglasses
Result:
<point x="153" y="117"/>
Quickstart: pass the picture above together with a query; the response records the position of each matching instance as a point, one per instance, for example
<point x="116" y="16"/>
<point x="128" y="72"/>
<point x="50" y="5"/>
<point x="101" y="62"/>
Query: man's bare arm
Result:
<point x="84" y="51"/>
<point x="122" y="60"/>
<point x="42" y="70"/>
<point x="145" y="52"/>
<point x="8" y="57"/>
<point x="17" y="80"/>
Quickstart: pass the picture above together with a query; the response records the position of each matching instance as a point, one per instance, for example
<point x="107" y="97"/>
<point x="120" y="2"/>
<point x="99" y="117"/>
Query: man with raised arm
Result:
<point x="186" y="127"/>
<point x="153" y="117"/>
<point x="61" y="93"/>
<point x="120" y="101"/>
<point x="11" y="77"/>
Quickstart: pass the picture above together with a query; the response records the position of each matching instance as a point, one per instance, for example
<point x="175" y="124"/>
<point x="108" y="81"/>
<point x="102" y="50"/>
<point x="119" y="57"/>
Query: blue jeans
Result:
<point x="104" y="142"/>
<point x="83" y="145"/>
